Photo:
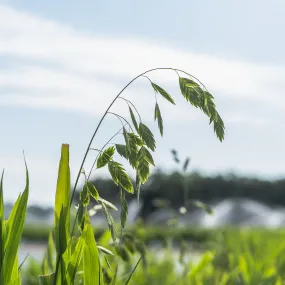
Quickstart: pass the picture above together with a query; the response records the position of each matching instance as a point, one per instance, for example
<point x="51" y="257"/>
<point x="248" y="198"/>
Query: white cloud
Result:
<point x="69" y="67"/>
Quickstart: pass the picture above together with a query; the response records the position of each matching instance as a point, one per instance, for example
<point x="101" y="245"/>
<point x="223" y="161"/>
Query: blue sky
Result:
<point x="61" y="63"/>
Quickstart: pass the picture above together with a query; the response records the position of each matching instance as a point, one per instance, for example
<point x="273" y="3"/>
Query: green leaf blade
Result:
<point x="61" y="239"/>
<point x="133" y="271"/>
<point x="14" y="230"/>
<point x="62" y="203"/>
<point x="75" y="260"/>
<point x="48" y="265"/>
<point x="62" y="213"/>
<point x="91" y="261"/>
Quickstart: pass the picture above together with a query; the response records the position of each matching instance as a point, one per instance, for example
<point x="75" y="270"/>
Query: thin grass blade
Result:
<point x="133" y="271"/>
<point x="114" y="280"/>
<point x="47" y="279"/>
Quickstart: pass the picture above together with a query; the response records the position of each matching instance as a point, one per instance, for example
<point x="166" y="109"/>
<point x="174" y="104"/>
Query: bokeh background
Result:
<point x="62" y="63"/>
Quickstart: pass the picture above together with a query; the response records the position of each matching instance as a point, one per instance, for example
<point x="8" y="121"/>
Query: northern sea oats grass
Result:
<point x="71" y="259"/>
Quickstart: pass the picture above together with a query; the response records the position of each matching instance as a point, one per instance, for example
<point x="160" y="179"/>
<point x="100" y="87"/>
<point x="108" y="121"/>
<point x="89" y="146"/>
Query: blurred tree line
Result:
<point x="205" y="189"/>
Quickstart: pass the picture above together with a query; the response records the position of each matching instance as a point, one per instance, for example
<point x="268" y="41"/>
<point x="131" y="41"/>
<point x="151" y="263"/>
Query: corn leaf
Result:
<point x="75" y="259"/>
<point x="60" y="234"/>
<point x="91" y="262"/>
<point x="15" y="276"/>
<point x="62" y="214"/>
<point x="15" y="225"/>
<point x="61" y="244"/>
<point x="62" y="197"/>
<point x="48" y="265"/>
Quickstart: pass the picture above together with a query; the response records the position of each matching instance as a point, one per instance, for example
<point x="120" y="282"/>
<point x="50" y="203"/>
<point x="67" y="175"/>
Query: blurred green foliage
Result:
<point x="232" y="256"/>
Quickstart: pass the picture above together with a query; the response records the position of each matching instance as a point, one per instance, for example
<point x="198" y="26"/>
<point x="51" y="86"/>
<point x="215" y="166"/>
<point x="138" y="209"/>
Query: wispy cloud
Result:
<point x="61" y="67"/>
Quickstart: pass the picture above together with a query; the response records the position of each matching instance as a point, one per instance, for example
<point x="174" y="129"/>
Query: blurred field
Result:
<point x="163" y="234"/>
<point x="252" y="256"/>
